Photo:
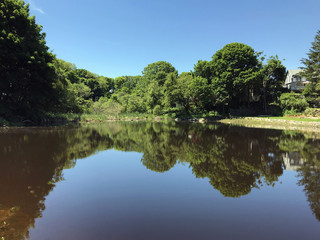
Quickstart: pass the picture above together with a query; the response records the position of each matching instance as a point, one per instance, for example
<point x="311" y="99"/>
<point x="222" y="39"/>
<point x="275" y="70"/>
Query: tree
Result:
<point x="235" y="75"/>
<point x="273" y="76"/>
<point x="28" y="83"/>
<point x="183" y="93"/>
<point x="67" y="95"/>
<point x="153" y="95"/>
<point x="158" y="71"/>
<point x="311" y="71"/>
<point x="100" y="87"/>
<point x="126" y="83"/>
<point x="203" y="69"/>
<point x="200" y="92"/>
<point x="170" y="90"/>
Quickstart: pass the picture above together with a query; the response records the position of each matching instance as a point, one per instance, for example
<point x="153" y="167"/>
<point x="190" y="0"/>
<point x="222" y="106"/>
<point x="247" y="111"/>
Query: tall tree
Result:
<point x="200" y="92"/>
<point x="203" y="69"/>
<point x="27" y="78"/>
<point x="170" y="91"/>
<point x="158" y="71"/>
<point x="312" y="72"/>
<point x="183" y="93"/>
<point x="235" y="74"/>
<point x="273" y="76"/>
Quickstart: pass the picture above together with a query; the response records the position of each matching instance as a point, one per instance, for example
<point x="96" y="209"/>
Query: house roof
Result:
<point x="292" y="72"/>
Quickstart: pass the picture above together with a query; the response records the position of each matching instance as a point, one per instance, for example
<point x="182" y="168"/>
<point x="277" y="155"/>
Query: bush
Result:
<point x="3" y="122"/>
<point x="312" y="112"/>
<point x="293" y="102"/>
<point x="106" y="107"/>
<point x="157" y="110"/>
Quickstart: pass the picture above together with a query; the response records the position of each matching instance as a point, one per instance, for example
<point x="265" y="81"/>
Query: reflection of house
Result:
<point x="295" y="82"/>
<point x="292" y="161"/>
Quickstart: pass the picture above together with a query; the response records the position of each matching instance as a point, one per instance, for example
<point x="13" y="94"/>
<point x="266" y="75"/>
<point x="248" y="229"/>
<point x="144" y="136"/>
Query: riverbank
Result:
<point x="282" y="123"/>
<point x="72" y="118"/>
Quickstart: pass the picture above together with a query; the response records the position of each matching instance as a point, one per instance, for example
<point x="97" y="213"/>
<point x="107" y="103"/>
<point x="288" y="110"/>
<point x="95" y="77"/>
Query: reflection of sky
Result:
<point x="111" y="195"/>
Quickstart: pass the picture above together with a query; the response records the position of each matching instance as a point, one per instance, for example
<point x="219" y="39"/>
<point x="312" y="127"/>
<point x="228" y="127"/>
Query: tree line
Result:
<point x="35" y="82"/>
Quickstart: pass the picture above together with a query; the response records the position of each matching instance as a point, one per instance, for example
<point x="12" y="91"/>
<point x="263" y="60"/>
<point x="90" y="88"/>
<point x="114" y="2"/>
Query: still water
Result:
<point x="143" y="180"/>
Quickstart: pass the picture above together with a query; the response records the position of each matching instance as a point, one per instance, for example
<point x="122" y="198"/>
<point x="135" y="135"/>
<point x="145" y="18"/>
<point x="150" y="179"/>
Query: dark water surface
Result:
<point x="137" y="180"/>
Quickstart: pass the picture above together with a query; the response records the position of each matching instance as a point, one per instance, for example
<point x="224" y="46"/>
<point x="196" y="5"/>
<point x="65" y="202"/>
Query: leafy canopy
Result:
<point x="27" y="76"/>
<point x="312" y="72"/>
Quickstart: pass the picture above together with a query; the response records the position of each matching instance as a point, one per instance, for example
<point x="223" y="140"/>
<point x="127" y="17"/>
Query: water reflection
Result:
<point x="235" y="160"/>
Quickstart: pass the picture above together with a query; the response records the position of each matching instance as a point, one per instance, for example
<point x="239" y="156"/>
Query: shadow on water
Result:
<point x="234" y="159"/>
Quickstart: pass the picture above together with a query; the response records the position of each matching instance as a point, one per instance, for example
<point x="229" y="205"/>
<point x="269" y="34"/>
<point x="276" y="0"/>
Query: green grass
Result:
<point x="90" y="117"/>
<point x="295" y="119"/>
<point x="70" y="118"/>
<point x="50" y="119"/>
<point x="136" y="115"/>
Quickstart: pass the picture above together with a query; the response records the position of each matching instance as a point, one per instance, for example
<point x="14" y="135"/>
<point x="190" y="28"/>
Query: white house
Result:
<point x="293" y="161"/>
<point x="294" y="81"/>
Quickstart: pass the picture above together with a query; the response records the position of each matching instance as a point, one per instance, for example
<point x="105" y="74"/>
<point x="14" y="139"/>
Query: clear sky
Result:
<point x="121" y="37"/>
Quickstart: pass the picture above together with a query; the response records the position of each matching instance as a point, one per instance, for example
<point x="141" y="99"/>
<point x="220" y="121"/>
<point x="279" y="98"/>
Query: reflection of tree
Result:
<point x="310" y="180"/>
<point x="291" y="141"/>
<point x="235" y="160"/>
<point x="305" y="147"/>
<point x="310" y="174"/>
<point x="158" y="162"/>
<point x="31" y="163"/>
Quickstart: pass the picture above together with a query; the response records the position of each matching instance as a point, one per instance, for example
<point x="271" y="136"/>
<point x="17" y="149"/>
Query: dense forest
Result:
<point x="237" y="80"/>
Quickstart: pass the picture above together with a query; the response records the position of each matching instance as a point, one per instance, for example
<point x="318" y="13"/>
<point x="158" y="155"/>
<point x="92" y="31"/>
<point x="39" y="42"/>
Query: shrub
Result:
<point x="3" y="122"/>
<point x="293" y="102"/>
<point x="106" y="107"/>
<point x="157" y="110"/>
<point x="312" y="112"/>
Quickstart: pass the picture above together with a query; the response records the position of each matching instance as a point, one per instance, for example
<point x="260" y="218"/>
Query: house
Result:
<point x="294" y="81"/>
<point x="293" y="161"/>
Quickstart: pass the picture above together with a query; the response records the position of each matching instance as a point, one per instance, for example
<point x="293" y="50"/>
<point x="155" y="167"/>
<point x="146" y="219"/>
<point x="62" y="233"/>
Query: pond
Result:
<point x="152" y="180"/>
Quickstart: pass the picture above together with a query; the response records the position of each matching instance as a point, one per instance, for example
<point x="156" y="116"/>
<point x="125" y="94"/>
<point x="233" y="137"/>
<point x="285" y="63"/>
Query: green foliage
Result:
<point x="312" y="95"/>
<point x="182" y="91"/>
<point x="126" y="83"/>
<point x="83" y="88"/>
<point x="80" y="95"/>
<point x="106" y="107"/>
<point x="3" y="122"/>
<point x="312" y="72"/>
<point x="158" y="71"/>
<point x="100" y="106"/>
<point x="73" y="95"/>
<point x="200" y="92"/>
<point x="130" y="103"/>
<point x="154" y="95"/>
<point x="273" y="75"/>
<point x="235" y="76"/>
<point x="157" y="110"/>
<point x="294" y="102"/>
<point x="204" y="69"/>
<point x="34" y="82"/>
<point x="99" y="86"/>
<point x="171" y="92"/>
<point x="28" y="84"/>
<point x="312" y="112"/>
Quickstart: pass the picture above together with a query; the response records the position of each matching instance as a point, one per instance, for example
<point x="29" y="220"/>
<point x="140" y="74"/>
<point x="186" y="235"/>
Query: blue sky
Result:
<point x="121" y="37"/>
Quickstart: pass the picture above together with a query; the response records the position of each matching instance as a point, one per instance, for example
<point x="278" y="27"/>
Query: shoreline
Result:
<point x="269" y="123"/>
<point x="306" y="124"/>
